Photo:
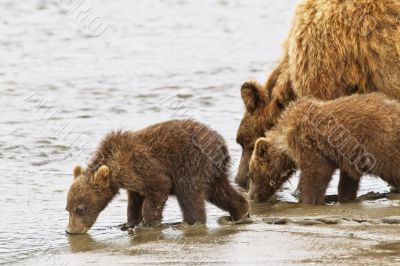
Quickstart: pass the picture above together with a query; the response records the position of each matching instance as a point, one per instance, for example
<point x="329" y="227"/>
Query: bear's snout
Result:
<point x="258" y="196"/>
<point x="70" y="231"/>
<point x="76" y="226"/>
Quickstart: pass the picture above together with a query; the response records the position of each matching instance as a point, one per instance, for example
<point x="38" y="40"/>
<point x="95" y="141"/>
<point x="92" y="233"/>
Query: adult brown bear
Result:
<point x="335" y="48"/>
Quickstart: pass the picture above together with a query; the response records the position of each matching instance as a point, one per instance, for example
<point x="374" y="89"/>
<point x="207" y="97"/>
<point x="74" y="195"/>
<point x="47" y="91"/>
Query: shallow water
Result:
<point x="66" y="82"/>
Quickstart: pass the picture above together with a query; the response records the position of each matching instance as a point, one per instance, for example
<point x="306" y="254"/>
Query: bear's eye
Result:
<point x="79" y="210"/>
<point x="280" y="105"/>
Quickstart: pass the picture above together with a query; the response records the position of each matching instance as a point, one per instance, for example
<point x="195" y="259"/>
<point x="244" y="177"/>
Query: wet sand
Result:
<point x="359" y="233"/>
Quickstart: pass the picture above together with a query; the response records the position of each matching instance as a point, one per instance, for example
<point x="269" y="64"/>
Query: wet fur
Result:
<point x="179" y="157"/>
<point x="358" y="134"/>
<point x="335" y="48"/>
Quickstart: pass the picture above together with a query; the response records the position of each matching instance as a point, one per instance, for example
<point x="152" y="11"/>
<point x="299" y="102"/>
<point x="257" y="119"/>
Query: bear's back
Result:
<point x="185" y="146"/>
<point x="372" y="120"/>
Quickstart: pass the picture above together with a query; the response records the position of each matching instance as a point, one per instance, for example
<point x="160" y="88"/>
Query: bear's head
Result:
<point x="262" y="112"/>
<point x="269" y="168"/>
<point x="89" y="194"/>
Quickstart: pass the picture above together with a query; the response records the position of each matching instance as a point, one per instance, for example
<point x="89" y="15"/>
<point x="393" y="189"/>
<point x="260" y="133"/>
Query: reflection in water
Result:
<point x="84" y="242"/>
<point x="137" y="239"/>
<point x="142" y="235"/>
<point x="313" y="234"/>
<point x="392" y="247"/>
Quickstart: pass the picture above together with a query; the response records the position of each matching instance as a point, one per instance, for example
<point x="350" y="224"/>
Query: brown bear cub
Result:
<point x="358" y="134"/>
<point x="180" y="157"/>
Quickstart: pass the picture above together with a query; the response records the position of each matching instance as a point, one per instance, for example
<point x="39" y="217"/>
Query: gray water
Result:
<point x="67" y="78"/>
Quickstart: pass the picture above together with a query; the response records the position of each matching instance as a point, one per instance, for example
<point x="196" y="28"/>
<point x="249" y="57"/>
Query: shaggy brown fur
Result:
<point x="180" y="157"/>
<point x="358" y="134"/>
<point x="335" y="48"/>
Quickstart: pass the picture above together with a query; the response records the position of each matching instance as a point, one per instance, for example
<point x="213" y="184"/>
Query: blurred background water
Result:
<point x="70" y="71"/>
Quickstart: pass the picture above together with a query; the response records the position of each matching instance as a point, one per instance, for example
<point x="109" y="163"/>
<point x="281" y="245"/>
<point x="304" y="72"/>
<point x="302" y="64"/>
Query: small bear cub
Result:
<point x="358" y="134"/>
<point x="179" y="157"/>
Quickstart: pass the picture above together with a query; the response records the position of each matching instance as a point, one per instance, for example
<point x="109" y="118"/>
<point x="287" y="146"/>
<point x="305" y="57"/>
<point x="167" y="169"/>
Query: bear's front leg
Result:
<point x="348" y="187"/>
<point x="314" y="180"/>
<point x="222" y="195"/>
<point x="395" y="190"/>
<point x="134" y="211"/>
<point x="135" y="206"/>
<point x="153" y="207"/>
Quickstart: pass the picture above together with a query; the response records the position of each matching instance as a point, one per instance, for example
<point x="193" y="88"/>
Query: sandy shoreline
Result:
<point x="349" y="234"/>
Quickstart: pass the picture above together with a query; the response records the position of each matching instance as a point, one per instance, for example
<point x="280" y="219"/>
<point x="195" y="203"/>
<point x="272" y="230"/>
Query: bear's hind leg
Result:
<point x="314" y="180"/>
<point x="191" y="202"/>
<point x="348" y="187"/>
<point x="222" y="195"/>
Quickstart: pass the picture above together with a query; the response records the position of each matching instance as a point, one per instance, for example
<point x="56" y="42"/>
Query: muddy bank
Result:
<point x="362" y="232"/>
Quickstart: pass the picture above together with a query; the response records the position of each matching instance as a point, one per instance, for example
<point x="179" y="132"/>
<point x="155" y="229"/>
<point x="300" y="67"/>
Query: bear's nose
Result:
<point x="70" y="233"/>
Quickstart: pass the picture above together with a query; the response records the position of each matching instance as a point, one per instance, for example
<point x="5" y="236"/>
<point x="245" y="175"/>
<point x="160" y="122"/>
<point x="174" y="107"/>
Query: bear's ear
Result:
<point x="261" y="148"/>
<point x="253" y="96"/>
<point x="78" y="170"/>
<point x="102" y="176"/>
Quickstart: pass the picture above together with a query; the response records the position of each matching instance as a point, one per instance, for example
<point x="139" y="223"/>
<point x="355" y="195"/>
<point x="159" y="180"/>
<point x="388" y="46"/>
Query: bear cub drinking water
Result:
<point x="358" y="134"/>
<point x="180" y="157"/>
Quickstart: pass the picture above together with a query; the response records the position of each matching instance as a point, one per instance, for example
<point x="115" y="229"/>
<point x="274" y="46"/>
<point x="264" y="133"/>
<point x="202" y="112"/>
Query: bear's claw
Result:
<point x="227" y="220"/>
<point x="145" y="223"/>
<point x="125" y="227"/>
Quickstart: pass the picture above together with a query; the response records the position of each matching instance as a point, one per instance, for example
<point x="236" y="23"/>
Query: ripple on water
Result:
<point x="117" y="110"/>
<point x="60" y="147"/>
<point x="14" y="148"/>
<point x="147" y="96"/>
<point x="84" y="116"/>
<point x="206" y="101"/>
<point x="41" y="163"/>
<point x="86" y="109"/>
<point x="43" y="142"/>
<point x="184" y="96"/>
